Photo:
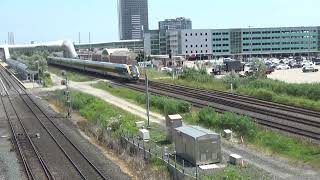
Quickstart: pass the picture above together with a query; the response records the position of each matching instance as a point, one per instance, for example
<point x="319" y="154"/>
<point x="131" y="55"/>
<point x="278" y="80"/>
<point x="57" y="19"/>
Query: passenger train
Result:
<point x="123" y="71"/>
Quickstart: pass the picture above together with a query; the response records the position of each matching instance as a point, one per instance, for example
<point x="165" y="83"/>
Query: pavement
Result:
<point x="296" y="76"/>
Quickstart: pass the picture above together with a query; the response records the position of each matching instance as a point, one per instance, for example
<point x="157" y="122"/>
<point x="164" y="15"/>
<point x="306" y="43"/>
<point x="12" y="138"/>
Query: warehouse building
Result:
<point x="197" y="145"/>
<point x="237" y="42"/>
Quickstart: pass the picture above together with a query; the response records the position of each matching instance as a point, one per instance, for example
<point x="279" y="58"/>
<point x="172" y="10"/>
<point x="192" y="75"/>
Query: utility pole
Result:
<point x="79" y="37"/>
<point x="147" y="99"/>
<point x="90" y="53"/>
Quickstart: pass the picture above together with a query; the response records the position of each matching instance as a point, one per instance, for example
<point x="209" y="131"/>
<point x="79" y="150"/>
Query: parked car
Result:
<point x="282" y="67"/>
<point x="166" y="69"/>
<point x="309" y="69"/>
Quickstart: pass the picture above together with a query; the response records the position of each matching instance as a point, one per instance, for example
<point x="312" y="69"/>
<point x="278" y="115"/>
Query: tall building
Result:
<point x="175" y="24"/>
<point x="133" y="18"/>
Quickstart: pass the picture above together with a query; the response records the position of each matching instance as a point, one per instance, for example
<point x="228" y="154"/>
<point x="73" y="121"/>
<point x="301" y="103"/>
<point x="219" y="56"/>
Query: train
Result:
<point x="122" y="71"/>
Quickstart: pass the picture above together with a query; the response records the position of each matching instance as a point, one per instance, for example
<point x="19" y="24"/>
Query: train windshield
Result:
<point x="133" y="70"/>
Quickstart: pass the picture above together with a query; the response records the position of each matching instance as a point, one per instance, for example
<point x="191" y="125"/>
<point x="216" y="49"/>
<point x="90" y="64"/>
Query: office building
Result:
<point x="242" y="42"/>
<point x="133" y="18"/>
<point x="175" y="24"/>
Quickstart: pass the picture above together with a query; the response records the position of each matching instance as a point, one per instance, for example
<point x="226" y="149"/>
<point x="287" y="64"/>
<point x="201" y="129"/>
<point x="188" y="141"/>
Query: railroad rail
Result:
<point x="295" y="120"/>
<point x="74" y="155"/>
<point x="33" y="163"/>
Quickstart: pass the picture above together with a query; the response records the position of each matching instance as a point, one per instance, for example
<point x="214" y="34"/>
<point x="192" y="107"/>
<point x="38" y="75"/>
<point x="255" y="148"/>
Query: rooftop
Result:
<point x="195" y="131"/>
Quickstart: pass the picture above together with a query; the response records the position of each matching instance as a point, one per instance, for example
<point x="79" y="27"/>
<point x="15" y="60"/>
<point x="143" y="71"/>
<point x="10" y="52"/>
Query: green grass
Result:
<point x="100" y="112"/>
<point x="161" y="104"/>
<point x="154" y="74"/>
<point x="289" y="147"/>
<point x="73" y="76"/>
<point x="231" y="172"/>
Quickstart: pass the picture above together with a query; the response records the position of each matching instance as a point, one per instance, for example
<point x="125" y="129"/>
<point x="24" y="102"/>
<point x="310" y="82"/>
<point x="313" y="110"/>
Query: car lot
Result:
<point x="296" y="76"/>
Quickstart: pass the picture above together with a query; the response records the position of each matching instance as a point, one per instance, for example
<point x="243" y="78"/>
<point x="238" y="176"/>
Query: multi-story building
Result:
<point x="253" y="41"/>
<point x="160" y="42"/>
<point x="241" y="42"/>
<point x="175" y="24"/>
<point x="133" y="18"/>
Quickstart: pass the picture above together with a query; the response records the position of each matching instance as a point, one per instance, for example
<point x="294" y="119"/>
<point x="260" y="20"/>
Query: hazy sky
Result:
<point x="46" y="20"/>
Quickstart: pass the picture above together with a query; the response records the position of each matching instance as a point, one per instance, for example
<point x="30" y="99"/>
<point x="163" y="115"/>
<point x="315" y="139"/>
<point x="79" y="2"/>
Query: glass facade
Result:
<point x="133" y="15"/>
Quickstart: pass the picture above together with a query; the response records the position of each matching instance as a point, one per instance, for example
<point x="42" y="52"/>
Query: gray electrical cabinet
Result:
<point x="197" y="145"/>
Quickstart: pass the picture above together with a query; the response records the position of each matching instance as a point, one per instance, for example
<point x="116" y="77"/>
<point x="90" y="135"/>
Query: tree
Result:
<point x="140" y="57"/>
<point x="259" y="69"/>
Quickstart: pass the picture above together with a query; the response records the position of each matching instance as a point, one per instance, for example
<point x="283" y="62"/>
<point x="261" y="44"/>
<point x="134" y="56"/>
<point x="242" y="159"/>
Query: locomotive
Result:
<point x="123" y="71"/>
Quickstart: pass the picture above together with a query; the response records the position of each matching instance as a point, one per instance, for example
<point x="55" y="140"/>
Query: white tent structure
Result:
<point x="67" y="47"/>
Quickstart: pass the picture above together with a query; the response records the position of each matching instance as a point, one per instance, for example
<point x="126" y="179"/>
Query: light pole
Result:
<point x="146" y="80"/>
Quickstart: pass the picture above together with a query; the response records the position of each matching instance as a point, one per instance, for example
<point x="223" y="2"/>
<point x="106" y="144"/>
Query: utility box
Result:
<point x="235" y="159"/>
<point x="227" y="133"/>
<point x="144" y="134"/>
<point x="172" y="122"/>
<point x="140" y="124"/>
<point x="198" y="145"/>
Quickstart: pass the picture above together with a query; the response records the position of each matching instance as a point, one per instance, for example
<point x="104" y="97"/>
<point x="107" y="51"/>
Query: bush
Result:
<point x="165" y="104"/>
<point x="242" y="125"/>
<point x="310" y="91"/>
<point x="194" y="75"/>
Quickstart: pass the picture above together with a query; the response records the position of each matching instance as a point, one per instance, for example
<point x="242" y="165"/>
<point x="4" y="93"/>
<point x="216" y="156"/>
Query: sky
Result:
<point x="49" y="20"/>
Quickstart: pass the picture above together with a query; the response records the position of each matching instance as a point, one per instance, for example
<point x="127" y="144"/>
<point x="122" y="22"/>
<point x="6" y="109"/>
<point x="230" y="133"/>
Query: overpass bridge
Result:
<point x="62" y="45"/>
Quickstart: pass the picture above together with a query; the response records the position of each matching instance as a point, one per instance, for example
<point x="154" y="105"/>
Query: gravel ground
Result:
<point x="296" y="76"/>
<point x="9" y="163"/>
<point x="109" y="168"/>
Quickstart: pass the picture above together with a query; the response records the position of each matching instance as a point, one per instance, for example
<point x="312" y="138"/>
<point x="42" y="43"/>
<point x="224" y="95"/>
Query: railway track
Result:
<point x="295" y="120"/>
<point x="61" y="145"/>
<point x="33" y="163"/>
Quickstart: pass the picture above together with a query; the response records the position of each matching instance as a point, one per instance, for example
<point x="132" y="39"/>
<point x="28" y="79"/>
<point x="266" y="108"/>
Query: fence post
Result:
<point x="144" y="151"/>
<point x="150" y="156"/>
<point x="196" y="172"/>
<point x="175" y="161"/>
<point x="183" y="166"/>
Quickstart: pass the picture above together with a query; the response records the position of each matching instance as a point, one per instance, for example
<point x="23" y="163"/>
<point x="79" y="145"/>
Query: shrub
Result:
<point x="165" y="104"/>
<point x="242" y="125"/>
<point x="194" y="75"/>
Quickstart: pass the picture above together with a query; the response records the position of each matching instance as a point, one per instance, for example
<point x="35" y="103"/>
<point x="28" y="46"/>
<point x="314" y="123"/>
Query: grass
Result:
<point x="231" y="172"/>
<point x="161" y="104"/>
<point x="154" y="74"/>
<point x="73" y="76"/>
<point x="100" y="112"/>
